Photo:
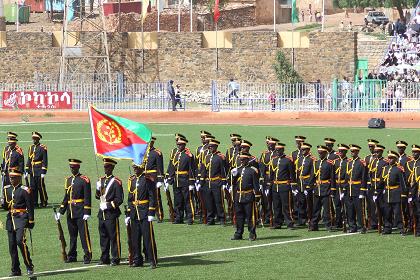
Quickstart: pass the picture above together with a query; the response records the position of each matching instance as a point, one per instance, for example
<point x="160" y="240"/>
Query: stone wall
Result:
<point x="373" y="51"/>
<point x="233" y="18"/>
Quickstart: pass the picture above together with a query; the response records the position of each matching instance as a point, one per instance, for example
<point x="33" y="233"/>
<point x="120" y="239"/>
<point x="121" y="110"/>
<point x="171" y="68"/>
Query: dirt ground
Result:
<point x="393" y="120"/>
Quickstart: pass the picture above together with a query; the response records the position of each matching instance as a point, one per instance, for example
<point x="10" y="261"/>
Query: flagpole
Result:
<point x="191" y="16"/>
<point x="274" y="15"/>
<point x="142" y="43"/>
<point x="217" y="52"/>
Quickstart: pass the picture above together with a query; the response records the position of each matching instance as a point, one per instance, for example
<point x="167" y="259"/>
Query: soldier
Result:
<point x="304" y="167"/>
<point x="410" y="175"/>
<point x="374" y="192"/>
<point x="231" y="161"/>
<point x="340" y="166"/>
<point x="142" y="205"/>
<point x="394" y="182"/>
<point x="180" y="174"/>
<point x="110" y="193"/>
<point x="403" y="159"/>
<point x="329" y="143"/>
<point x="246" y="193"/>
<point x="283" y="182"/>
<point x="12" y="157"/>
<point x="355" y="189"/>
<point x="264" y="166"/>
<point x="296" y="153"/>
<point x="323" y="179"/>
<point x="200" y="153"/>
<point x="154" y="167"/>
<point x="246" y="147"/>
<point x="77" y="203"/>
<point x="368" y="200"/>
<point x="213" y="183"/>
<point x="36" y="168"/>
<point x="17" y="200"/>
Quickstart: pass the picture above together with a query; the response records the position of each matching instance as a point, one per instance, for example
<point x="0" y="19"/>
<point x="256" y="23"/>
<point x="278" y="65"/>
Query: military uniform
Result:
<point x="394" y="187"/>
<point x="296" y="154"/>
<point x="403" y="159"/>
<point x="329" y="143"/>
<point x="36" y="167"/>
<point x="231" y="160"/>
<point x="109" y="191"/>
<point x="17" y="200"/>
<point x="340" y="166"/>
<point x="411" y="174"/>
<point x="282" y="182"/>
<point x="13" y="158"/>
<point x="77" y="204"/>
<point x="142" y="205"/>
<point x="264" y="166"/>
<point x="355" y="190"/>
<point x="180" y="173"/>
<point x="323" y="180"/>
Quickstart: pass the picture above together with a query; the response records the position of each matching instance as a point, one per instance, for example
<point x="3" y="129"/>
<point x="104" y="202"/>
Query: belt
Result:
<point x="181" y="172"/>
<point x="305" y="177"/>
<point x="245" y="192"/>
<point x="140" y="202"/>
<point x="341" y="181"/>
<point x="355" y="182"/>
<point x="214" y="178"/>
<point x="150" y="171"/>
<point x="76" y="200"/>
<point x="322" y="181"/>
<point x="36" y="162"/>
<point x="282" y="182"/>
<point x="376" y="180"/>
<point x="16" y="211"/>
<point x="392" y="187"/>
<point x="267" y="172"/>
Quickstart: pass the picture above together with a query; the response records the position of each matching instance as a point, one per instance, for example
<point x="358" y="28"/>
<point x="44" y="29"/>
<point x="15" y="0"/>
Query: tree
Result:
<point x="284" y="70"/>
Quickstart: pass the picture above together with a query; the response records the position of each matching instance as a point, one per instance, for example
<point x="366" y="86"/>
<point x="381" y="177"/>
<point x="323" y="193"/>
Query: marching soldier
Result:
<point x="354" y="190"/>
<point x="18" y="201"/>
<point x="411" y="175"/>
<point x="77" y="203"/>
<point x="142" y="205"/>
<point x="213" y="183"/>
<point x="246" y="193"/>
<point x="232" y="155"/>
<point x="36" y="168"/>
<point x="180" y="174"/>
<point x="370" y="204"/>
<point x="200" y="154"/>
<point x="154" y="167"/>
<point x="340" y="166"/>
<point x="403" y="159"/>
<point x="265" y="160"/>
<point x="295" y="156"/>
<point x="305" y="169"/>
<point x="283" y="183"/>
<point x="323" y="180"/>
<point x="12" y="158"/>
<point x="110" y="193"/>
<point x="374" y="192"/>
<point x="329" y="143"/>
<point x="394" y="182"/>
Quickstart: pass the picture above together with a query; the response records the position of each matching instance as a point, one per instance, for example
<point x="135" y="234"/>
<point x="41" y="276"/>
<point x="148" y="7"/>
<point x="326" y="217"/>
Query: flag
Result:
<point x="118" y="137"/>
<point x="144" y="7"/>
<point x="216" y="15"/>
<point x="295" y="16"/>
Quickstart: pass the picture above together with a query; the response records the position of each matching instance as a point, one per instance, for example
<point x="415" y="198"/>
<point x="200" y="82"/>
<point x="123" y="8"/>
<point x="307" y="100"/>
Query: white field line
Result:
<point x="200" y="253"/>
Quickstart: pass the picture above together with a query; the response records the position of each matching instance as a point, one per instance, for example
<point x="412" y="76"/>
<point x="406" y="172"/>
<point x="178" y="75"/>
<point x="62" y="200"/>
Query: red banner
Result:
<point x="35" y="100"/>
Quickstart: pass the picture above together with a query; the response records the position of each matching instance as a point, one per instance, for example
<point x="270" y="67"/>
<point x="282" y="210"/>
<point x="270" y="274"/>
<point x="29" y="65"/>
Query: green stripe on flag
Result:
<point x="139" y="129"/>
<point x="295" y="16"/>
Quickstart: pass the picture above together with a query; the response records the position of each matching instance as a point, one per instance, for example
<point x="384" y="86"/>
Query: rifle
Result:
<point x="170" y="204"/>
<point x="61" y="237"/>
<point x="129" y="241"/>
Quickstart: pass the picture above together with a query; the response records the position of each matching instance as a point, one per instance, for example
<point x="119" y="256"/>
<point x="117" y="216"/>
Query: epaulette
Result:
<point x="8" y="186"/>
<point x="349" y="159"/>
<point x="410" y="158"/>
<point x="363" y="162"/>
<point x="19" y="150"/>
<point x="289" y="157"/>
<point x="255" y="169"/>
<point x="118" y="180"/>
<point x="43" y="146"/>
<point x="132" y="177"/>
<point x="188" y="152"/>
<point x="221" y="155"/>
<point x="158" y="151"/>
<point x="330" y="161"/>
<point x="400" y="167"/>
<point x="25" y="188"/>
<point x="313" y="158"/>
<point x="386" y="160"/>
<point x="85" y="178"/>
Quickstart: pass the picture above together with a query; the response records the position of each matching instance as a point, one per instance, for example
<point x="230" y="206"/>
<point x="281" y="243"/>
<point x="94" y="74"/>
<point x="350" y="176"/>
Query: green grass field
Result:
<point x="343" y="257"/>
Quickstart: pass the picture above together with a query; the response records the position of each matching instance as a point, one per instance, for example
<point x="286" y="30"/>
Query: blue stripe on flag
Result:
<point x="136" y="152"/>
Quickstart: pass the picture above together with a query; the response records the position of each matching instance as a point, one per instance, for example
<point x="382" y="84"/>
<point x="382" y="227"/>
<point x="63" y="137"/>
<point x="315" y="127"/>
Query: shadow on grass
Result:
<point x="188" y="261"/>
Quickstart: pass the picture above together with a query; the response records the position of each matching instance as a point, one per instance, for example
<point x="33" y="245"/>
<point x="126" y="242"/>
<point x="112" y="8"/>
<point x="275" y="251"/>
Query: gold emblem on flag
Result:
<point x="109" y="132"/>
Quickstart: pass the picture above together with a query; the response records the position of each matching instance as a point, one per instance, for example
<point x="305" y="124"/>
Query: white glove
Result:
<point x="341" y="196"/>
<point x="230" y="189"/>
<point x="295" y="192"/>
<point x="57" y="216"/>
<point x="86" y="217"/>
<point x="42" y="176"/>
<point x="384" y="191"/>
<point x="98" y="185"/>
<point x="224" y="187"/>
<point x="305" y="192"/>
<point x="361" y="196"/>
<point x="103" y="206"/>
<point x="374" y="198"/>
<point x="158" y="185"/>
<point x="410" y="199"/>
<point x="150" y="218"/>
<point x="26" y="174"/>
<point x="261" y="187"/>
<point x="197" y="182"/>
<point x="197" y="187"/>
<point x="266" y="192"/>
<point x="234" y="171"/>
<point x="191" y="187"/>
<point x="127" y="221"/>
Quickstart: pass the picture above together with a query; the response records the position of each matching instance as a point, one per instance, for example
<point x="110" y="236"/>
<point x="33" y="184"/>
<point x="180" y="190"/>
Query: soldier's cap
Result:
<point x="12" y="140"/>
<point x="36" y="134"/>
<point x="415" y="148"/>
<point x="209" y="137"/>
<point x="244" y="155"/>
<point x="74" y="161"/>
<point x="11" y="134"/>
<point x="379" y="147"/>
<point x="354" y="147"/>
<point x="401" y="143"/>
<point x="246" y="143"/>
<point x="300" y="138"/>
<point x="181" y="140"/>
<point x="179" y="135"/>
<point x="234" y="136"/>
<point x="305" y="146"/>
<point x="280" y="145"/>
<point x="153" y="139"/>
<point x="329" y="140"/>
<point x="137" y="165"/>
<point x="372" y="142"/>
<point x="204" y="133"/>
<point x="273" y="140"/>
<point x="343" y="147"/>
<point x="268" y="138"/>
<point x="109" y="161"/>
<point x="322" y="148"/>
<point x="15" y="172"/>
<point x="393" y="154"/>
<point x="214" y="142"/>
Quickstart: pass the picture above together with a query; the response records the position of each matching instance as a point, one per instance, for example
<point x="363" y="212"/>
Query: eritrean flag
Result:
<point x="118" y="137"/>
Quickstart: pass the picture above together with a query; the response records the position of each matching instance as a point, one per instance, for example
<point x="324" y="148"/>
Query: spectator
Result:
<point x="383" y="100"/>
<point x="341" y="26"/>
<point x="328" y="99"/>
<point x="310" y="14"/>
<point x="350" y="27"/>
<point x="171" y="92"/>
<point x="319" y="92"/>
<point x="399" y="95"/>
<point x="391" y="28"/>
<point x="178" y="96"/>
<point x="389" y="96"/>
<point x="233" y="87"/>
<point x="302" y="13"/>
<point x="272" y="99"/>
